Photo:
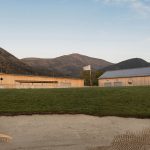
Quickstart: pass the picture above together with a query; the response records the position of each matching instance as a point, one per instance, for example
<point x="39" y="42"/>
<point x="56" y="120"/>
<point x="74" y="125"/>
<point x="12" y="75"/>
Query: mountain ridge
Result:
<point x="64" y="66"/>
<point x="68" y="64"/>
<point x="128" y="64"/>
<point x="11" y="64"/>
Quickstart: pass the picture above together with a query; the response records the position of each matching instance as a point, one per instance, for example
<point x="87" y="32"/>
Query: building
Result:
<point x="127" y="77"/>
<point x="23" y="81"/>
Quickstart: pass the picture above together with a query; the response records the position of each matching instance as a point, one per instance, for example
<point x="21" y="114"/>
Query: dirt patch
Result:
<point x="65" y="132"/>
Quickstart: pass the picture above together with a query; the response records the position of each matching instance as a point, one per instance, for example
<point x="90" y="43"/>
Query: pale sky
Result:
<point x="113" y="30"/>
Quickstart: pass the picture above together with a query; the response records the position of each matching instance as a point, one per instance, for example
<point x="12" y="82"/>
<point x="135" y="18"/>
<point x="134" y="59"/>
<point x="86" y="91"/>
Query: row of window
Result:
<point x="110" y="84"/>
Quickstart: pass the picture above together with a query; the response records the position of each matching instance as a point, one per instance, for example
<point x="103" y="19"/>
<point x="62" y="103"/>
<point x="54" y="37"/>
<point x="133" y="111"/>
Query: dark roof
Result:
<point x="56" y="77"/>
<point x="138" y="72"/>
<point x="31" y="81"/>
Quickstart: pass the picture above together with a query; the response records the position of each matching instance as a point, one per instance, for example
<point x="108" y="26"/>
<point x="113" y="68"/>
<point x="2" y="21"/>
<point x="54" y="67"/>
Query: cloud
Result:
<point x="141" y="6"/>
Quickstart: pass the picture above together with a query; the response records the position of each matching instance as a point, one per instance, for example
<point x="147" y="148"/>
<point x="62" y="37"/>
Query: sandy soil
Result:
<point x="65" y="132"/>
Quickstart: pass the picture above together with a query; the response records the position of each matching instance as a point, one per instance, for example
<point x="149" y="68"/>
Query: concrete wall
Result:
<point x="21" y="81"/>
<point x="132" y="81"/>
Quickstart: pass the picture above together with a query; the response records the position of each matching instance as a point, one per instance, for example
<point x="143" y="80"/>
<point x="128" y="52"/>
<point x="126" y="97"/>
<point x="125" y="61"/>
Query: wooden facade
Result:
<point x="129" y="81"/>
<point x="23" y="81"/>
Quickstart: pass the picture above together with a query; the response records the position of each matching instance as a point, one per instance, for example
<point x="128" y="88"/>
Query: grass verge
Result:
<point x="124" y="102"/>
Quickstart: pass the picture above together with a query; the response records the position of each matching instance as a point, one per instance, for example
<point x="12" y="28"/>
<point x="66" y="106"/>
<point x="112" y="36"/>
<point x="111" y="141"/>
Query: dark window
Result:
<point x="130" y="82"/>
<point x="117" y="84"/>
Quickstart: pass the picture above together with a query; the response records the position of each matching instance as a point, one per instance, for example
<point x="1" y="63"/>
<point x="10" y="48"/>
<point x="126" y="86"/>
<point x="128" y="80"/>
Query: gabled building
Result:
<point x="127" y="77"/>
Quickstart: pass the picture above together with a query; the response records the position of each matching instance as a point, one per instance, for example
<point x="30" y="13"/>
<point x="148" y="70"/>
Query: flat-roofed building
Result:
<point x="23" y="81"/>
<point x="127" y="77"/>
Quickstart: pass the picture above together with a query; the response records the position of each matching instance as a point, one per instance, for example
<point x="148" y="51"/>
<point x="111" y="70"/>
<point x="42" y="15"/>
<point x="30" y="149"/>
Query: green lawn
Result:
<point x="126" y="102"/>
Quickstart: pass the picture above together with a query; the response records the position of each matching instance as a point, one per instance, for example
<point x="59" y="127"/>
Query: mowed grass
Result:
<point x="125" y="102"/>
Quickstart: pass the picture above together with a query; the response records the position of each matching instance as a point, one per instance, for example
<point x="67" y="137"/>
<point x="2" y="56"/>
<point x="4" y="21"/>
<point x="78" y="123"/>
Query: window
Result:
<point x="130" y="82"/>
<point x="117" y="84"/>
<point x="107" y="84"/>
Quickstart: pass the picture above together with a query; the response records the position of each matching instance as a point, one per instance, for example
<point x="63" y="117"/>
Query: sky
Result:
<point x="113" y="30"/>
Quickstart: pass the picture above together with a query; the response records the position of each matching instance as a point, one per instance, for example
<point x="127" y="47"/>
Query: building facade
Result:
<point x="127" y="77"/>
<point x="23" y="81"/>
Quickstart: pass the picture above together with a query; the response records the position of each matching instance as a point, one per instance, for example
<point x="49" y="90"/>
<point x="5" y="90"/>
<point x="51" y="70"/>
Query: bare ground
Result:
<point x="65" y="132"/>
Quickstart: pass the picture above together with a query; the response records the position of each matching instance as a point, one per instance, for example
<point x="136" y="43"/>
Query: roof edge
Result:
<point x="127" y="69"/>
<point x="41" y="76"/>
<point x="125" y="77"/>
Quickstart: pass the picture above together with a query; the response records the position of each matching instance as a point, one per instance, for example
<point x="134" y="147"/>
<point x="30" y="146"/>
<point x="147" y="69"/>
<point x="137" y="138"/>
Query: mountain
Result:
<point x="68" y="65"/>
<point x="128" y="64"/>
<point x="11" y="64"/>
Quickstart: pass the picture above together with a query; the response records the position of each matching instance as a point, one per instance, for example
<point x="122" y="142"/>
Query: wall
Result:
<point x="132" y="81"/>
<point x="17" y="81"/>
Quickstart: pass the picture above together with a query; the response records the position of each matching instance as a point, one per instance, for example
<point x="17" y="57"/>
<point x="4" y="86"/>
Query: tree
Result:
<point x="95" y="75"/>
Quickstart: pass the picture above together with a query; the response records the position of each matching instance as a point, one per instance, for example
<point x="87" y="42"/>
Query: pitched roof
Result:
<point x="138" y="72"/>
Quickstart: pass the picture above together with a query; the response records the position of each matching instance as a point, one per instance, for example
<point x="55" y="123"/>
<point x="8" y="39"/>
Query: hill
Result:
<point x="11" y="64"/>
<point x="69" y="65"/>
<point x="128" y="64"/>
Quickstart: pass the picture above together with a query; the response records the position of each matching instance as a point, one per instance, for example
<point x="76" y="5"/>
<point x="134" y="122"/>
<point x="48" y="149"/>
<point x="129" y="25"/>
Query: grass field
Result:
<point x="126" y="102"/>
